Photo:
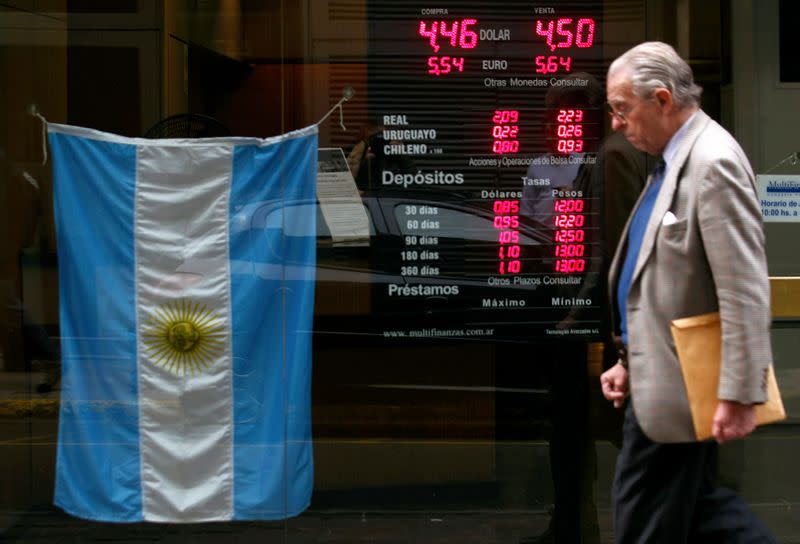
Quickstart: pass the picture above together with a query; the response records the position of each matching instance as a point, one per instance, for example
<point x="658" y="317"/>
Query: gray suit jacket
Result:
<point x="710" y="259"/>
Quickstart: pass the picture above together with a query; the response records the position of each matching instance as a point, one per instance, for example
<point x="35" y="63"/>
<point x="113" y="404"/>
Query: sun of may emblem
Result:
<point x="184" y="337"/>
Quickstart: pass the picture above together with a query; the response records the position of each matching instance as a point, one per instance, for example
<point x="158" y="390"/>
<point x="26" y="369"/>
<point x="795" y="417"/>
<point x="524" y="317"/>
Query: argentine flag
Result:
<point x="186" y="274"/>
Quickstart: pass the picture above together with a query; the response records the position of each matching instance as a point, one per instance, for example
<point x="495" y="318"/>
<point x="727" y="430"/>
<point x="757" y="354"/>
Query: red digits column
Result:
<point x="506" y="221"/>
<point x="454" y="35"/>
<point x="505" y="131"/>
<point x="569" y="131"/>
<point x="570" y="235"/>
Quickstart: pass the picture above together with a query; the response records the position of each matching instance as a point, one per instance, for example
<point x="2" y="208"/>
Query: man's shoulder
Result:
<point x="714" y="134"/>
<point x="714" y="143"/>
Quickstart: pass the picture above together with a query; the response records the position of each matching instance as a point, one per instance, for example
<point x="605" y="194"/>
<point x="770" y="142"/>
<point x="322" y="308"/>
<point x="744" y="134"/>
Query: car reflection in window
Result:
<point x="353" y="279"/>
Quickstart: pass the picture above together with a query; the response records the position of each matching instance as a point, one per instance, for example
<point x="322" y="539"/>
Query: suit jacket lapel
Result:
<point x="667" y="191"/>
<point x="662" y="205"/>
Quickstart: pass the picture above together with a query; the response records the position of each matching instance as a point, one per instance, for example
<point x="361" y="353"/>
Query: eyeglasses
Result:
<point x="621" y="115"/>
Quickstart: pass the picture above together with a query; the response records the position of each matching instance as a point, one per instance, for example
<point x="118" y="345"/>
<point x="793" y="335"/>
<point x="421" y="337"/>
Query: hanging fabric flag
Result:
<point x="186" y="274"/>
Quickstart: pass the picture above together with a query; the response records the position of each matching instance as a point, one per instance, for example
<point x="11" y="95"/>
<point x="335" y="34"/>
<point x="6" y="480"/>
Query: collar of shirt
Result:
<point x="672" y="145"/>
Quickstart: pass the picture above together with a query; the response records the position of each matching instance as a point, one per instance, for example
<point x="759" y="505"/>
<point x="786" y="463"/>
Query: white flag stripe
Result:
<point x="183" y="311"/>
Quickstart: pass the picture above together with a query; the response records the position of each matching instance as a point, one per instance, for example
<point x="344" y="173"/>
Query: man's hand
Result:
<point x="614" y="383"/>
<point x="733" y="420"/>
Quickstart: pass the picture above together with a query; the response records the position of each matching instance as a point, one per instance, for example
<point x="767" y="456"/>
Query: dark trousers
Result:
<point x="667" y="493"/>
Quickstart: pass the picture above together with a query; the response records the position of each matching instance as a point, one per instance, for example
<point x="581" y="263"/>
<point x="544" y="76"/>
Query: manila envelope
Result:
<point x="698" y="341"/>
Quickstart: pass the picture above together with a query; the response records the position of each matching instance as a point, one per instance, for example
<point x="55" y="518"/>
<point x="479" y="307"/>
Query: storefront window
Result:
<point x="453" y="247"/>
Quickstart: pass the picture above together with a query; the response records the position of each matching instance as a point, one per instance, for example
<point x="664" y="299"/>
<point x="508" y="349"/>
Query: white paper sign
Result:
<point x="779" y="196"/>
<point x="339" y="199"/>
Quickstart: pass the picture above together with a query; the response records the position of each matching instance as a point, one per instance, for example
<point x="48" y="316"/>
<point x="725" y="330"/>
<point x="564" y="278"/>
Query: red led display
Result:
<point x="569" y="131"/>
<point x="570" y="266"/>
<point x="570" y="250"/>
<point x="457" y="34"/>
<point x="506" y="220"/>
<point x="562" y="33"/>
<point x="444" y="65"/>
<point x="569" y="236"/>
<point x="570" y="116"/>
<point x="569" y="220"/>
<point x="552" y="64"/>
<point x="570" y="146"/>
<point x="568" y="206"/>
<point x="505" y="131"/>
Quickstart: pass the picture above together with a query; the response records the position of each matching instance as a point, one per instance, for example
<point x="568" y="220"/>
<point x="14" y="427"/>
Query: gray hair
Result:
<point x="654" y="65"/>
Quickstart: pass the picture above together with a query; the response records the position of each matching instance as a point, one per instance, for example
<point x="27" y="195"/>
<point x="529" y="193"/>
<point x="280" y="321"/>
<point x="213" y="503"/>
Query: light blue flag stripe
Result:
<point x="98" y="447"/>
<point x="272" y="252"/>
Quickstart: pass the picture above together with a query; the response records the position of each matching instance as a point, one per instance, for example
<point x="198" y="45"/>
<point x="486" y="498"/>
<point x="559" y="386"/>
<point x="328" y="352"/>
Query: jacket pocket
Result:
<point x="675" y="231"/>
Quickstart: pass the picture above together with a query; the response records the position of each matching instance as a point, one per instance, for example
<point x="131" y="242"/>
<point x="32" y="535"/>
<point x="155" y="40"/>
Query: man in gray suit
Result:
<point x="694" y="244"/>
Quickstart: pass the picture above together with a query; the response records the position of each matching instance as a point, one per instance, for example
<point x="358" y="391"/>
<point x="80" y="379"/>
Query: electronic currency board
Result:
<point x="485" y="124"/>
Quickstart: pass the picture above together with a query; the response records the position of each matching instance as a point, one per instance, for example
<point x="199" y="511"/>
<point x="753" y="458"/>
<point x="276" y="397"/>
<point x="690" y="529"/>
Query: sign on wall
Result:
<point x="779" y="196"/>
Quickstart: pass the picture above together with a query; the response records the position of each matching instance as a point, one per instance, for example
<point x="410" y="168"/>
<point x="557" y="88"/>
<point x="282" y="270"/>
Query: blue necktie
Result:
<point x="658" y="172"/>
<point x="635" y="237"/>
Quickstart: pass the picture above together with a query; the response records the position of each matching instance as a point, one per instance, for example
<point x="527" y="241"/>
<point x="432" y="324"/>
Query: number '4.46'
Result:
<point x="458" y="33"/>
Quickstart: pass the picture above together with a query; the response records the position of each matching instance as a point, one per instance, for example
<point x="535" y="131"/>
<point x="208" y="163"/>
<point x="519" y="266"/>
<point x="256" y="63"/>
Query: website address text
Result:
<point x="434" y="332"/>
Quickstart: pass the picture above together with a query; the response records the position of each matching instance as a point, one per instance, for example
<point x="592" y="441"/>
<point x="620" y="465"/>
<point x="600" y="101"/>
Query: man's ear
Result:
<point x="664" y="98"/>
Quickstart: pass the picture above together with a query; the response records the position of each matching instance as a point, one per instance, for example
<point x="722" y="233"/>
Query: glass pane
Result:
<point x="430" y="374"/>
